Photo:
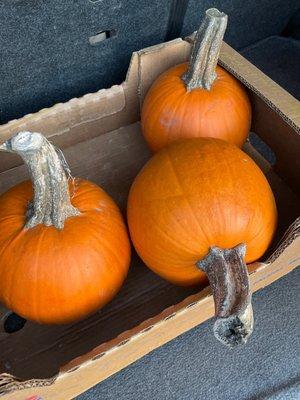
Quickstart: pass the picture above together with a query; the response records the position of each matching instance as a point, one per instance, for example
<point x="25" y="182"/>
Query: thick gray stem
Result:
<point x="201" y="71"/>
<point x="51" y="204"/>
<point x="229" y="280"/>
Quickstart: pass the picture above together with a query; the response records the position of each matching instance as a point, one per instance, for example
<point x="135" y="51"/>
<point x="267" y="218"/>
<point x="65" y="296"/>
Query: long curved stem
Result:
<point x="201" y="71"/>
<point x="229" y="280"/>
<point x="51" y="204"/>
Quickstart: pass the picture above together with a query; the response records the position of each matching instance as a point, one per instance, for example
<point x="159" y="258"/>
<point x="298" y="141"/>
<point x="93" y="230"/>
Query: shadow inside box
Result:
<point x="38" y="351"/>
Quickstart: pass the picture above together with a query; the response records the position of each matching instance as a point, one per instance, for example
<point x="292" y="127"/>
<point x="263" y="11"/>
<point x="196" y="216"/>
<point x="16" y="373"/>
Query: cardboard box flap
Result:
<point x="63" y="116"/>
<point x="155" y="60"/>
<point x="68" y="123"/>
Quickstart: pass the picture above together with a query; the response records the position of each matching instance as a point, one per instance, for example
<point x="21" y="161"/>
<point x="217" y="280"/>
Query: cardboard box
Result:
<point x="101" y="138"/>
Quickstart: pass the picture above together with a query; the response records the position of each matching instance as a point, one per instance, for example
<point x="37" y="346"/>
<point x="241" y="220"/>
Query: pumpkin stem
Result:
<point x="229" y="280"/>
<point x="51" y="204"/>
<point x="201" y="71"/>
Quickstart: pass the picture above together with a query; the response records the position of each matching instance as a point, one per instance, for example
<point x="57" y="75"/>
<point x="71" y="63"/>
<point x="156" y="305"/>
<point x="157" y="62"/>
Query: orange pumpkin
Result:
<point x="59" y="262"/>
<point x="192" y="195"/>
<point x="201" y="208"/>
<point x="198" y="99"/>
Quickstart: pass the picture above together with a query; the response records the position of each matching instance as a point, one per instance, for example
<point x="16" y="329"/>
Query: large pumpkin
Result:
<point x="61" y="259"/>
<point x="198" y="99"/>
<point x="194" y="198"/>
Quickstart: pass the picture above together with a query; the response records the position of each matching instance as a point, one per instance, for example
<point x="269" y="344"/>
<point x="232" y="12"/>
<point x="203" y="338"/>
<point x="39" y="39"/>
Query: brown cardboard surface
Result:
<point x="102" y="142"/>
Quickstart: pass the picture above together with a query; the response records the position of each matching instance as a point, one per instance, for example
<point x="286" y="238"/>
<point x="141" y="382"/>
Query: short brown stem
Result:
<point x="51" y="204"/>
<point x="229" y="280"/>
<point x="201" y="71"/>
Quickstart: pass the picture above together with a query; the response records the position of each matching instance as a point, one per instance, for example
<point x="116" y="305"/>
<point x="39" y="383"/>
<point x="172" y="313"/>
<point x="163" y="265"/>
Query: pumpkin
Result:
<point x="199" y="99"/>
<point x="196" y="209"/>
<point x="65" y="251"/>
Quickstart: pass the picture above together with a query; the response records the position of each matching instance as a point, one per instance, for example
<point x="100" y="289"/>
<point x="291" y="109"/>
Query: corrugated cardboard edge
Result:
<point x="63" y="116"/>
<point x="95" y="366"/>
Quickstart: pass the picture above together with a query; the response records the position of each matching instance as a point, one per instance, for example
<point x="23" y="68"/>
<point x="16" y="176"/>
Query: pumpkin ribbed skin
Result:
<point x="194" y="194"/>
<point x="170" y="112"/>
<point x="59" y="276"/>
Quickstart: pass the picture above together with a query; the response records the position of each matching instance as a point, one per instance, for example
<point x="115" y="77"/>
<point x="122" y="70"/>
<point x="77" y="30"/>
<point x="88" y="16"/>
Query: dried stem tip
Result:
<point x="229" y="280"/>
<point x="201" y="71"/>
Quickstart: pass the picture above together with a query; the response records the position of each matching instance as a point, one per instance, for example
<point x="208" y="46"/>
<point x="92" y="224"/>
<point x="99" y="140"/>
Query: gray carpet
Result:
<point x="195" y="366"/>
<point x="46" y="56"/>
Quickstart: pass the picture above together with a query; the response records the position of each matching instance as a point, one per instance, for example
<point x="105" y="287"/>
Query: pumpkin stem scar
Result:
<point x="51" y="204"/>
<point x="201" y="71"/>
<point x="228" y="276"/>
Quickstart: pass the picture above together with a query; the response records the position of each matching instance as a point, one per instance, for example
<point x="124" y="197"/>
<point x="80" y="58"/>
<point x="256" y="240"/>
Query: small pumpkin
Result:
<point x="65" y="251"/>
<point x="199" y="99"/>
<point x="195" y="210"/>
